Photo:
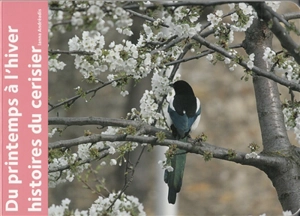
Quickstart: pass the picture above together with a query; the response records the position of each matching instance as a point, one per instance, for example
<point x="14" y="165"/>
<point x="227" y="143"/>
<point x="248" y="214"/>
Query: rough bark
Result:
<point x="285" y="175"/>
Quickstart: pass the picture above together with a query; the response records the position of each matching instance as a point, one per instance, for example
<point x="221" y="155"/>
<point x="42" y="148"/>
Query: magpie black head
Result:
<point x="182" y="88"/>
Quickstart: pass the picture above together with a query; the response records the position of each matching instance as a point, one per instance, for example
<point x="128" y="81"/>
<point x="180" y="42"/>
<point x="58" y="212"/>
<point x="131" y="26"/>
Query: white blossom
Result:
<point x="231" y="36"/>
<point x="227" y="60"/>
<point x="77" y="19"/>
<point x="54" y="64"/>
<point x="124" y="93"/>
<point x="125" y="205"/>
<point x="233" y="67"/>
<point x="53" y="131"/>
<point x="169" y="168"/>
<point x="219" y="13"/>
<point x="84" y="151"/>
<point x="247" y="9"/>
<point x="252" y="155"/>
<point x="273" y="4"/>
<point x="113" y="162"/>
<point x="231" y="6"/>
<point x="252" y="56"/>
<point x="234" y="17"/>
<point x="213" y="19"/>
<point x="241" y="25"/>
<point x="111" y="150"/>
<point x="55" y="178"/>
<point x="209" y="57"/>
<point x="250" y="63"/>
<point x="165" y="166"/>
<point x="287" y="213"/>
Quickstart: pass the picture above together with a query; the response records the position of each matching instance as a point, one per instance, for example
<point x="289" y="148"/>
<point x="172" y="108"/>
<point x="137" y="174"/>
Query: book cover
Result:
<point x="24" y="95"/>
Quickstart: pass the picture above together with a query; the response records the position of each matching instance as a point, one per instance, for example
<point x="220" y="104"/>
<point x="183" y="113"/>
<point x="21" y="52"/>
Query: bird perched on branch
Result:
<point x="183" y="116"/>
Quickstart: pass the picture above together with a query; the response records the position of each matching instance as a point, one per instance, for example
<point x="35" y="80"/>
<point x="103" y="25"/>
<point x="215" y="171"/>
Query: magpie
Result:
<point x="183" y="116"/>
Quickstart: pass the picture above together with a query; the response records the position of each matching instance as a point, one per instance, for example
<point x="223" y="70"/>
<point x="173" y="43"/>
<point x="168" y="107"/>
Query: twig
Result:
<point x="176" y="66"/>
<point x="209" y="23"/>
<point x="169" y="45"/>
<point x="146" y="17"/>
<point x="127" y="183"/>
<point x="174" y="70"/>
<point x="72" y="100"/>
<point x="292" y="95"/>
<point x="204" y="53"/>
<point x="255" y="69"/>
<point x="102" y="155"/>
<point x="78" y="52"/>
<point x="278" y="16"/>
<point x="178" y="4"/>
<point x="281" y="19"/>
<point x="66" y="22"/>
<point x="290" y="16"/>
<point x="68" y="9"/>
<point x="101" y="121"/>
<point x="281" y="33"/>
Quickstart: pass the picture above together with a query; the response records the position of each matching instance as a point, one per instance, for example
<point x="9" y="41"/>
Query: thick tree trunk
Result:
<point x="285" y="177"/>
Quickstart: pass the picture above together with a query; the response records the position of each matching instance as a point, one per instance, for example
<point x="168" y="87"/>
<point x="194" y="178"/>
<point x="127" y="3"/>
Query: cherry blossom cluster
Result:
<point x="126" y="205"/>
<point x="183" y="22"/>
<point x="84" y="152"/>
<point x="67" y="175"/>
<point x="150" y="100"/>
<point x="282" y="64"/>
<point x="54" y="64"/>
<point x="292" y="119"/>
<point x="64" y="15"/>
<point x="289" y="69"/>
<point x="241" y="17"/>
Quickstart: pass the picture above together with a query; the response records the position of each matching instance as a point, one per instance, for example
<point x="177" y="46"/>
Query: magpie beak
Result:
<point x="184" y="110"/>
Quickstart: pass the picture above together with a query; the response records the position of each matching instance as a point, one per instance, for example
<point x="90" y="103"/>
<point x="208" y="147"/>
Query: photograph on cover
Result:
<point x="24" y="108"/>
<point x="128" y="82"/>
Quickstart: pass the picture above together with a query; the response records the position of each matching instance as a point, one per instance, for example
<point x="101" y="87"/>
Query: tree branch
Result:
<point x="66" y="22"/>
<point x="72" y="100"/>
<point x="255" y="69"/>
<point x="178" y="4"/>
<point x="192" y="146"/>
<point x="146" y="17"/>
<point x="280" y="32"/>
<point x="203" y="53"/>
<point x="104" y="122"/>
<point x="78" y="52"/>
<point x="102" y="155"/>
<point x="292" y="15"/>
<point x="278" y="16"/>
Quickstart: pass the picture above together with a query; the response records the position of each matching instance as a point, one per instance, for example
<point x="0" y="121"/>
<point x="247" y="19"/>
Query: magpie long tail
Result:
<point x="174" y="179"/>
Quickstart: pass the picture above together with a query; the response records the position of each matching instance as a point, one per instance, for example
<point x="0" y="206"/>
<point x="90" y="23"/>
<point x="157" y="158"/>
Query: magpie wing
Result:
<point x="192" y="120"/>
<point x="181" y="122"/>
